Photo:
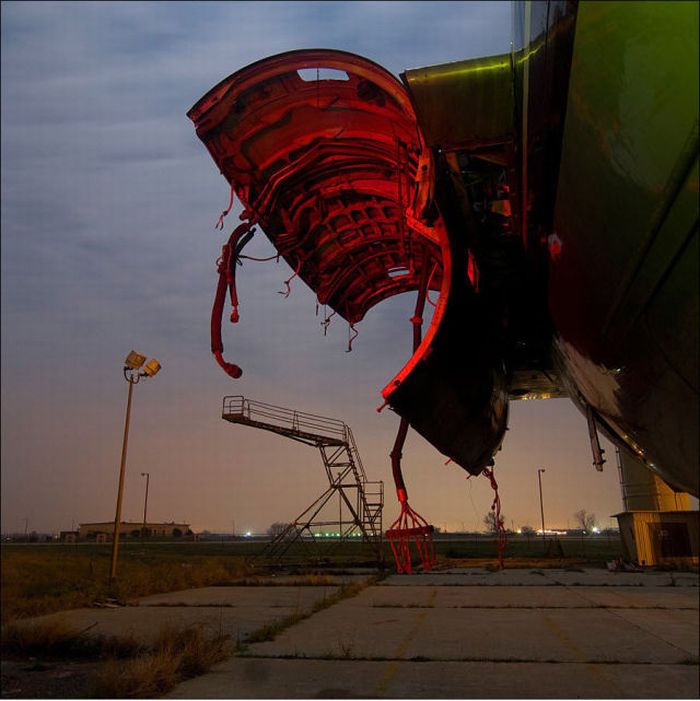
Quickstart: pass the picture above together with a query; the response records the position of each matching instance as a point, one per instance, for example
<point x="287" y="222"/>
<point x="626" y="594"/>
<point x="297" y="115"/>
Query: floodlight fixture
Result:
<point x="134" y="360"/>
<point x="133" y="363"/>
<point x="151" y="368"/>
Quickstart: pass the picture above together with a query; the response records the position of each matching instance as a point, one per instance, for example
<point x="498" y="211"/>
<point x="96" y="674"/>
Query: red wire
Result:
<point x="220" y="221"/>
<point x="288" y="280"/>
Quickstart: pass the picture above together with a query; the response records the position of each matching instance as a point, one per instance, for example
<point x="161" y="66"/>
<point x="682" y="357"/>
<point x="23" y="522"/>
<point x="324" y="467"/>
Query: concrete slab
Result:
<point x="304" y="580"/>
<point x="598" y="578"/>
<point x="685" y="579"/>
<point x="481" y="578"/>
<point x="145" y="622"/>
<point x="337" y="679"/>
<point x="560" y="635"/>
<point x="640" y="597"/>
<point x="471" y="597"/>
<point x="301" y="598"/>
<point x="678" y="628"/>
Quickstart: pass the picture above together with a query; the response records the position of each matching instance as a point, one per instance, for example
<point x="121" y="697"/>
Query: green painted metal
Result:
<point x="464" y="103"/>
<point x="623" y="293"/>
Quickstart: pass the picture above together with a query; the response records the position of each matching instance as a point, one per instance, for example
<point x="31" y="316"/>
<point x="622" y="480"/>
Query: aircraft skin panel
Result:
<point x="464" y="102"/>
<point x="623" y="286"/>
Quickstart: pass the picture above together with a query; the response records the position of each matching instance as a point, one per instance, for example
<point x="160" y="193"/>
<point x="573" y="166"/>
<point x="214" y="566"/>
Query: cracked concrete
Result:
<point x="481" y="634"/>
<point x="454" y="634"/>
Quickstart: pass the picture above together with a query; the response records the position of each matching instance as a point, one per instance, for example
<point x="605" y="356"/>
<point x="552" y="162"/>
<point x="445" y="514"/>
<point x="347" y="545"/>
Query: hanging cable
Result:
<point x="262" y="260"/>
<point x="226" y="267"/>
<point x="351" y="329"/>
<point x="287" y="292"/>
<point x="220" y="221"/>
<point x="501" y="536"/>
<point x="326" y="322"/>
<point x="410" y="526"/>
<point x="427" y="290"/>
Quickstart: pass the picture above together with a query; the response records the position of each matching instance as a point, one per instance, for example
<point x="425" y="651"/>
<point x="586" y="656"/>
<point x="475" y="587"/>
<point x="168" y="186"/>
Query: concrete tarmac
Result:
<point x="468" y="633"/>
<point x="235" y="611"/>
<point x="479" y="634"/>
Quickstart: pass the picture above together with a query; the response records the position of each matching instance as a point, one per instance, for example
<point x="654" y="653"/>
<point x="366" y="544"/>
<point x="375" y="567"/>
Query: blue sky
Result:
<point x="108" y="244"/>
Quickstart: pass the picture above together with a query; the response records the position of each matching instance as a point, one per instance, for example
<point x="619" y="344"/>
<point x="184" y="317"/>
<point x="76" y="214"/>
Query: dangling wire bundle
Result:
<point x="410" y="526"/>
<point x="327" y="321"/>
<point x="501" y="537"/>
<point x="226" y="267"/>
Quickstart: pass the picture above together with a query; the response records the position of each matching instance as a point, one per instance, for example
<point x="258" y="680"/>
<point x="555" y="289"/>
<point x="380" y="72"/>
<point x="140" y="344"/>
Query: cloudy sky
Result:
<point x="108" y="244"/>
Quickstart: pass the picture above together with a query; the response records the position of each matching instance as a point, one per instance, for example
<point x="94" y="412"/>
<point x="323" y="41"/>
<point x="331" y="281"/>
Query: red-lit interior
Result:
<point x="334" y="170"/>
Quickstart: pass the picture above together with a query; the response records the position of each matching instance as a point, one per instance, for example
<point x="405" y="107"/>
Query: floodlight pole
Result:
<point x="134" y="370"/>
<point x="132" y="378"/>
<point x="539" y="479"/>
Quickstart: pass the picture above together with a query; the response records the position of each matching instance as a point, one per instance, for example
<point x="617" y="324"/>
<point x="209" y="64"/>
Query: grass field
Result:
<point x="38" y="579"/>
<point x="43" y="578"/>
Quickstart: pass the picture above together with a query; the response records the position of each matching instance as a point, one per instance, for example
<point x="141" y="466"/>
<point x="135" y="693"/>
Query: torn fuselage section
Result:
<point x="324" y="151"/>
<point x="332" y="169"/>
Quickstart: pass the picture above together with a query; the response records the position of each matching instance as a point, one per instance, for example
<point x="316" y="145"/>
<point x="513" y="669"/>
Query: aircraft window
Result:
<point x="311" y="74"/>
<point x="393" y="273"/>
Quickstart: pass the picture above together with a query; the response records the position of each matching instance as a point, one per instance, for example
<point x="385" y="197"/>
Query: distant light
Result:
<point x="248" y="534"/>
<point x="596" y="529"/>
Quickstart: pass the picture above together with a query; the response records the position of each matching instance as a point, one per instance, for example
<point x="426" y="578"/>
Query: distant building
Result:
<point x="102" y="532"/>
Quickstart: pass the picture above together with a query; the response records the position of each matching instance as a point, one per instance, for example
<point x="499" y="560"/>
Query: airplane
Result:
<point x="549" y="195"/>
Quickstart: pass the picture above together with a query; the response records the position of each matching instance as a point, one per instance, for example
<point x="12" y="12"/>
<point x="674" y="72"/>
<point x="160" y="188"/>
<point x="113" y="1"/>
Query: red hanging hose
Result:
<point x="410" y="526"/>
<point x="501" y="537"/>
<point x="227" y="279"/>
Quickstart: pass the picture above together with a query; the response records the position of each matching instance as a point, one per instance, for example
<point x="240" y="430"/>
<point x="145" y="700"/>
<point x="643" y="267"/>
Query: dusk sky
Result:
<point x="108" y="244"/>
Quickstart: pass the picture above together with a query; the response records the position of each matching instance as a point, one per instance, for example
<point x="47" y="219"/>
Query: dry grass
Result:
<point x="128" y="669"/>
<point x="55" y="639"/>
<point x="35" y="582"/>
<point x="176" y="655"/>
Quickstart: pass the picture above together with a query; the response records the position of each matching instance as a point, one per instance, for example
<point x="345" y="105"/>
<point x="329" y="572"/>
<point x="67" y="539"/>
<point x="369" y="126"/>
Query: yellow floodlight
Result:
<point x="152" y="367"/>
<point x="134" y="360"/>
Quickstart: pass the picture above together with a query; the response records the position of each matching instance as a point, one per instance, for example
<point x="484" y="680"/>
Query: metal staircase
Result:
<point x="360" y="501"/>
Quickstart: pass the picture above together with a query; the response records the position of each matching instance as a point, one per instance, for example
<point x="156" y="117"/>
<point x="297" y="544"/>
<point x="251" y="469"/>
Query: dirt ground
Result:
<point x="34" y="678"/>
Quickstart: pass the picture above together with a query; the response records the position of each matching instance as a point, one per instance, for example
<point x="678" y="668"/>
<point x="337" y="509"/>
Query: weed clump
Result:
<point x="174" y="656"/>
<point x="129" y="669"/>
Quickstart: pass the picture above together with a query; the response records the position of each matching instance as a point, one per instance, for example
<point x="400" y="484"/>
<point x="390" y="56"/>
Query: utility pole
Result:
<point x="539" y="479"/>
<point x="147" y="475"/>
